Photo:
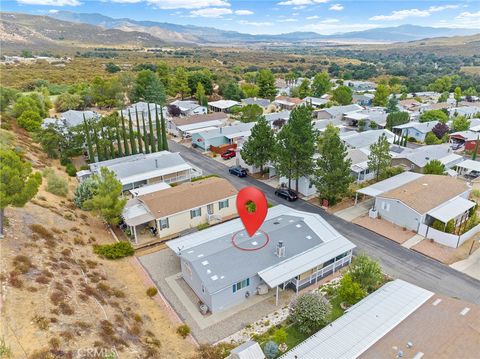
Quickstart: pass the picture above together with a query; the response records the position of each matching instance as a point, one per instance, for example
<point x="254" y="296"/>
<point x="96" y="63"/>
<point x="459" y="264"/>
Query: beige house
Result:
<point x="167" y="213"/>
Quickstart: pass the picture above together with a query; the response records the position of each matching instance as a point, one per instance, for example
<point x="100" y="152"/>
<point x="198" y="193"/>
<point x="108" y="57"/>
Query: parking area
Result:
<point x="385" y="228"/>
<point x="164" y="268"/>
<point x="360" y="209"/>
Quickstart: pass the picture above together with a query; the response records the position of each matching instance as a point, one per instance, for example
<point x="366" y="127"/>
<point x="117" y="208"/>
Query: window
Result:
<point x="164" y="223"/>
<point x="386" y="206"/>
<point x="195" y="212"/>
<point x="223" y="204"/>
<point x="244" y="283"/>
<point x="210" y="209"/>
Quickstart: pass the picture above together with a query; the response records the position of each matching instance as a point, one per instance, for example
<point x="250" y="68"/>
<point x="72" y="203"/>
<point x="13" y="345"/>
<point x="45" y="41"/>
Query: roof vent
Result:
<point x="409" y="344"/>
<point x="280" y="250"/>
<point x="400" y="354"/>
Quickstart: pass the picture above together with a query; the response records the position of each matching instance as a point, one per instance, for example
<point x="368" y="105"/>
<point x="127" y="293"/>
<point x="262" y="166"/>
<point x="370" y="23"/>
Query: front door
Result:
<point x="210" y="208"/>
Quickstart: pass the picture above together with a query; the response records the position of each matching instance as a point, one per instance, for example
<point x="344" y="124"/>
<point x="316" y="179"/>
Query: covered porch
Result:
<point x="139" y="225"/>
<point x="451" y="215"/>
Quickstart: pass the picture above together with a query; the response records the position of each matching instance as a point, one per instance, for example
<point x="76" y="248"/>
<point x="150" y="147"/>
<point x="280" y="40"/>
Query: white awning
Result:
<point x="195" y="126"/>
<point x="470" y="165"/>
<point x="452" y="209"/>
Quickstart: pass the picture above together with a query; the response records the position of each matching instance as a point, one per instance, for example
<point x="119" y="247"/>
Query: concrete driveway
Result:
<point x="470" y="266"/>
<point x="350" y="213"/>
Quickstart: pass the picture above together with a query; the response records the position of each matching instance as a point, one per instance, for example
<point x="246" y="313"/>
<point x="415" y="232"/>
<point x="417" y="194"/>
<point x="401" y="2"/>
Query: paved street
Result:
<point x="397" y="261"/>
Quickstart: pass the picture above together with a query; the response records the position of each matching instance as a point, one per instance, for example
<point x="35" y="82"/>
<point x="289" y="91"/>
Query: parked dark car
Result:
<point x="238" y="171"/>
<point x="457" y="146"/>
<point x="228" y="154"/>
<point x="286" y="193"/>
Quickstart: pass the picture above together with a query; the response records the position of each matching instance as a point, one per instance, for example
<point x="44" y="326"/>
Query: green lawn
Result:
<point x="294" y="336"/>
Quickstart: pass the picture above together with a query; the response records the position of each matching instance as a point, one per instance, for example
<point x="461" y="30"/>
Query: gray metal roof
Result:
<point x="389" y="184"/>
<point x="340" y="110"/>
<point x="242" y="129"/>
<point x="262" y="102"/>
<point x="470" y="165"/>
<point x="422" y="127"/>
<point x="451" y="209"/>
<point x="363" y="324"/>
<point x="143" y="166"/>
<point x="366" y="138"/>
<point x="248" y="350"/>
<point x="282" y="115"/>
<point x="422" y="155"/>
<point x="74" y="118"/>
<point x="308" y="238"/>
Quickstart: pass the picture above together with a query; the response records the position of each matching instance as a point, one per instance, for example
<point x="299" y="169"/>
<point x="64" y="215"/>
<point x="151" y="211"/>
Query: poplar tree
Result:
<point x="260" y="146"/>
<point x="97" y="144"/>
<point x="158" y="127"/>
<point x="145" y="138"/>
<point x="124" y="135"/>
<point x="139" y="132"/>
<point x="150" y="125"/>
<point x="164" y="131"/>
<point x="119" y="141"/>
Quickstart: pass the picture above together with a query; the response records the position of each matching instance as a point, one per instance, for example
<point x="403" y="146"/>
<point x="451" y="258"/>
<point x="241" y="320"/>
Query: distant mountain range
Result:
<point x="204" y="35"/>
<point x="69" y="29"/>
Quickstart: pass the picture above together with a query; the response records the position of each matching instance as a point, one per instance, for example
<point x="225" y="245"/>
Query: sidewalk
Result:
<point x="470" y="266"/>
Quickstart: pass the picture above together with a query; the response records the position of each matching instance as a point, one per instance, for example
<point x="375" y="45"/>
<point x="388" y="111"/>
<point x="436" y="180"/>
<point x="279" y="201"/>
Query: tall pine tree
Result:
<point x="332" y="176"/>
<point x="379" y="158"/>
<point x="260" y="146"/>
<point x="164" y="131"/>
<point x="86" y="128"/>
<point x="131" y="134"/>
<point x="119" y="141"/>
<point x="98" y="148"/>
<point x="296" y="146"/>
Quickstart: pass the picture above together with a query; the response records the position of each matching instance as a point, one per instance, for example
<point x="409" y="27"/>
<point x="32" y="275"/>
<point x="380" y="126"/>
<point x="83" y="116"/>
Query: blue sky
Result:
<point x="273" y="16"/>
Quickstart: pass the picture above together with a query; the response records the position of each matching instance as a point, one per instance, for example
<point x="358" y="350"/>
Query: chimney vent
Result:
<point x="280" y="250"/>
<point x="156" y="162"/>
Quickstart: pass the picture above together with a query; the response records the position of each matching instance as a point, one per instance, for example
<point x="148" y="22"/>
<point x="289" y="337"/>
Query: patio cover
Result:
<point x="470" y="165"/>
<point x="378" y="188"/>
<point x="452" y="209"/>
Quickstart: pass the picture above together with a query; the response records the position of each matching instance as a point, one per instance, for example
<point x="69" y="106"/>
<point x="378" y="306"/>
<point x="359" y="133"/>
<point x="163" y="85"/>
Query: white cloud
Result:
<point x="329" y="21"/>
<point x="243" y="12"/>
<point x="188" y="4"/>
<point x="255" y="23"/>
<point x="53" y="11"/>
<point x="126" y="1"/>
<point x="336" y="7"/>
<point x="469" y="19"/>
<point x="51" y="2"/>
<point x="301" y="2"/>
<point x="312" y="17"/>
<point x="211" y="12"/>
<point x="288" y="20"/>
<point x="403" y="14"/>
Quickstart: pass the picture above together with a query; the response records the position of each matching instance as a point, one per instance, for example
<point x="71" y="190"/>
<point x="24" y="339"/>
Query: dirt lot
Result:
<point x="385" y="228"/>
<point x="59" y="299"/>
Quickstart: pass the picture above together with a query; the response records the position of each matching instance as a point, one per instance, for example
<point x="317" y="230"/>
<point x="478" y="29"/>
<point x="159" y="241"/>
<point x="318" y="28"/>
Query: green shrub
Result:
<point x="349" y="291"/>
<point x="115" y="250"/>
<point x="55" y="184"/>
<point x="152" y="292"/>
<point x="70" y="169"/>
<point x="271" y="350"/>
<point x="280" y="336"/>
<point x="203" y="177"/>
<point x="310" y="312"/>
<point x="203" y="226"/>
<point x="450" y="228"/>
<point x="30" y="120"/>
<point x="85" y="191"/>
<point x="64" y="160"/>
<point x="366" y="272"/>
<point x="438" y="225"/>
<point x="183" y="330"/>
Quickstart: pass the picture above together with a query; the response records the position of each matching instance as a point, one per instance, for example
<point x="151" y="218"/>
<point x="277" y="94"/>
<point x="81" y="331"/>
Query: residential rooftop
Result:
<point x="423" y="127"/>
<point x="187" y="196"/>
<point x="427" y="192"/>
<point x="340" y="110"/>
<point x="241" y="129"/>
<point x="365" y="138"/>
<point x="215" y="116"/>
<point x="307" y="237"/>
<point x="422" y="155"/>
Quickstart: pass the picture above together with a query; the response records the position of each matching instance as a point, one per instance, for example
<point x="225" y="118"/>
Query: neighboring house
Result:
<point x="315" y="102"/>
<point x="287" y="103"/>
<point x="466" y="138"/>
<point x="70" y="118"/>
<point x="222" y="105"/>
<point x="140" y="191"/>
<point x="305" y="185"/>
<point x="186" y="126"/>
<point x="359" y="166"/>
<point x="398" y="320"/>
<point x="416" y="130"/>
<point x="177" y="209"/>
<point x="337" y="112"/>
<point x="221" y="136"/>
<point x="421" y="201"/>
<point x="262" y="102"/>
<point x="372" y="118"/>
<point x="416" y="159"/>
<point x="144" y="169"/>
<point x="189" y="108"/>
<point x="361" y="86"/>
<point x="363" y="99"/>
<point x="410" y="105"/>
<point x="277" y="119"/>
<point x="225" y="267"/>
<point x="469" y="168"/>
<point x="321" y="125"/>
<point x="366" y="138"/>
<point x="467" y="111"/>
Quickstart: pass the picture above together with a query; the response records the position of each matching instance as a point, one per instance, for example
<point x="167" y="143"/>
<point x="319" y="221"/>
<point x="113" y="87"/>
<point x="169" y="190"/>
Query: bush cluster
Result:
<point x="115" y="250"/>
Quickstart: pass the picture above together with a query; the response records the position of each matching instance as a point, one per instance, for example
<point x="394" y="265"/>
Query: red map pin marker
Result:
<point x="252" y="220"/>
